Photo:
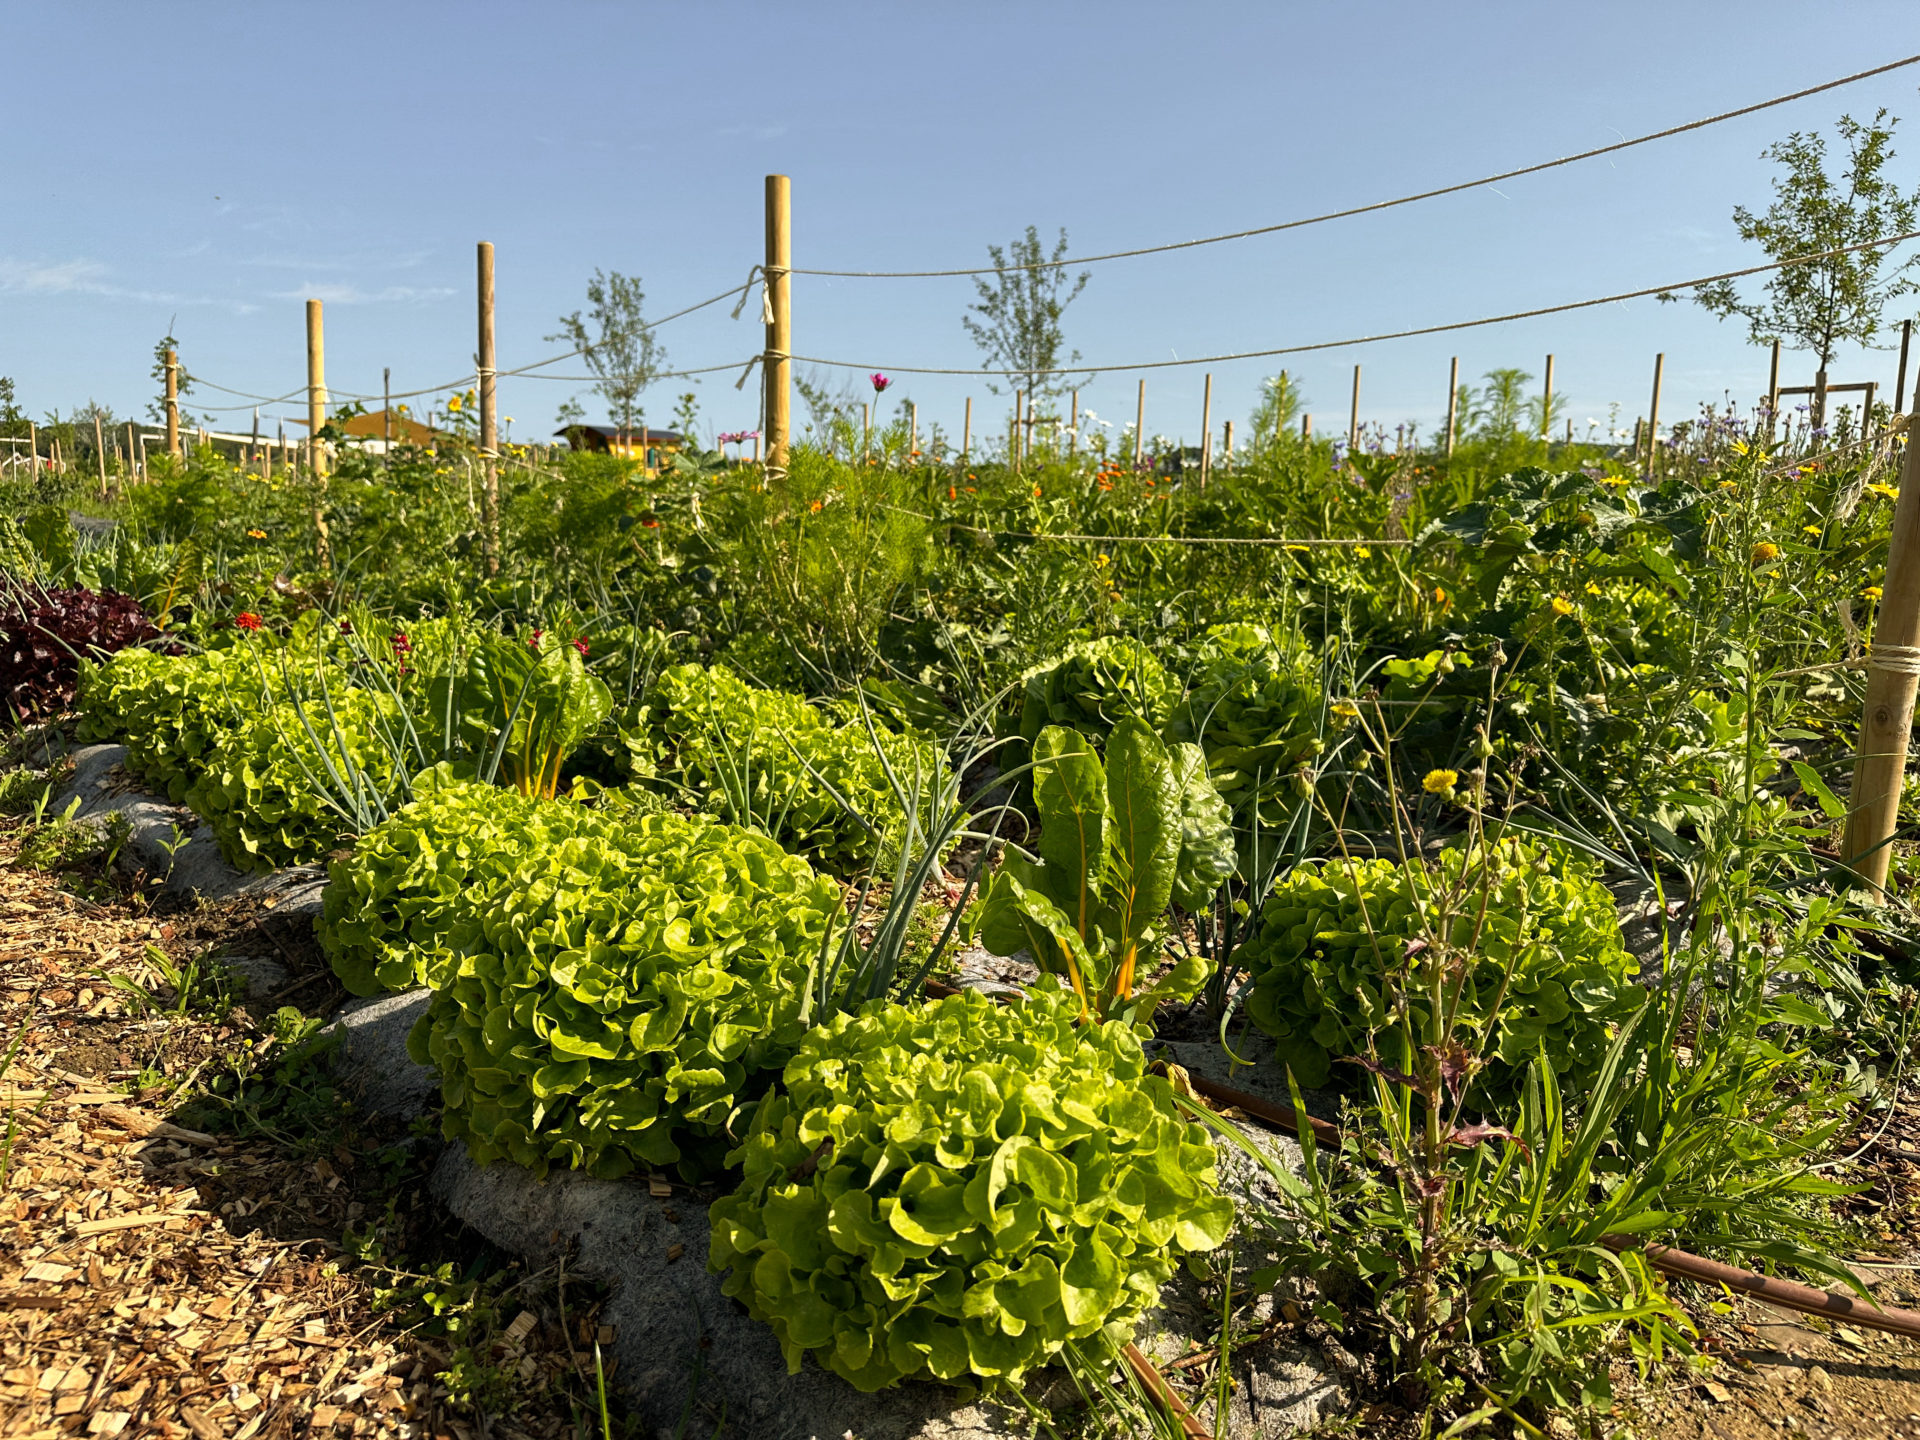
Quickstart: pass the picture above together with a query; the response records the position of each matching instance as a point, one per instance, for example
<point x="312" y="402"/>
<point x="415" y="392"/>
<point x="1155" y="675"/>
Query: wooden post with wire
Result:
<point x="1773" y="388"/>
<point x="133" y="472"/>
<point x="173" y="403"/>
<point x="489" y="415"/>
<point x="316" y="418"/>
<point x="776" y="362"/>
<point x="1073" y="425"/>
<point x="1229" y="446"/>
<point x="1140" y="426"/>
<point x="1893" y="672"/>
<point x="1653" y="409"/>
<point x="913" y="431"/>
<point x="1453" y="403"/>
<point x="1206" y="429"/>
<point x="33" y="450"/>
<point x="100" y="452"/>
<point x="1353" y="417"/>
<point x="1546" y="404"/>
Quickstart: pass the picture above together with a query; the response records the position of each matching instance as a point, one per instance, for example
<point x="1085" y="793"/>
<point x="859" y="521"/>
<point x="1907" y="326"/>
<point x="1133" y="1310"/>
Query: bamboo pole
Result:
<point x="490" y="414"/>
<point x="1893" y="671"/>
<point x="1773" y="390"/>
<point x="1453" y="403"/>
<point x="173" y="404"/>
<point x="1353" y="417"/>
<point x="1546" y="404"/>
<point x="133" y="471"/>
<point x="100" y="452"/>
<point x="1206" y="429"/>
<point x="966" y="433"/>
<point x="1140" y="426"/>
<point x="776" y="364"/>
<point x="1653" y="410"/>
<point x="1019" y="409"/>
<point x="33" y="450"/>
<point x="317" y="417"/>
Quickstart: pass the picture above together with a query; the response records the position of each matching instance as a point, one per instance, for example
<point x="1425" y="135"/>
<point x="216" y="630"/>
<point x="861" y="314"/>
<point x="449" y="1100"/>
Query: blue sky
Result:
<point x="220" y="163"/>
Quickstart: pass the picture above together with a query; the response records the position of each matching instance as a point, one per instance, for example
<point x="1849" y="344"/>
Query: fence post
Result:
<point x="1653" y="410"/>
<point x="1229" y="455"/>
<point x="133" y="468"/>
<point x="489" y="414"/>
<point x="1206" y="429"/>
<point x="1900" y="385"/>
<point x="1893" y="671"/>
<point x="1773" y="388"/>
<point x="1019" y="410"/>
<point x="966" y="433"/>
<point x="1820" y="399"/>
<point x="1073" y="425"/>
<point x="1353" y="419"/>
<point x="173" y="404"/>
<point x="1140" y="425"/>
<point x="866" y="430"/>
<point x="1453" y="402"/>
<point x="317" y="417"/>
<point x="1546" y="405"/>
<point x="913" y="431"/>
<point x="100" y="452"/>
<point x="1306" y="427"/>
<point x="776" y="363"/>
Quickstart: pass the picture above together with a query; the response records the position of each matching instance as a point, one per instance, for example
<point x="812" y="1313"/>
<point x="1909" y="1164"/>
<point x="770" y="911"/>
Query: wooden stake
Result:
<point x="1073" y="425"/>
<point x="913" y="432"/>
<point x="866" y="430"/>
<point x="1140" y="426"/>
<point x="1206" y="428"/>
<point x="1900" y="385"/>
<point x="1820" y="399"/>
<point x="33" y="448"/>
<point x="1893" y="671"/>
<point x="1866" y="411"/>
<point x="1546" y="404"/>
<point x="173" y="404"/>
<point x="100" y="452"/>
<point x="1019" y="409"/>
<point x="490" y="416"/>
<point x="317" y="417"/>
<point x="133" y="471"/>
<point x="1353" y="419"/>
<point x="1453" y="402"/>
<point x="1653" y="410"/>
<point x="1773" y="389"/>
<point x="776" y="362"/>
<point x="1306" y="427"/>
<point x="966" y="433"/>
<point x="1229" y="455"/>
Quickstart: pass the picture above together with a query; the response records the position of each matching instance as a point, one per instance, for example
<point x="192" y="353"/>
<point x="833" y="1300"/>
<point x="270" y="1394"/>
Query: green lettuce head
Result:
<point x="959" y="1188"/>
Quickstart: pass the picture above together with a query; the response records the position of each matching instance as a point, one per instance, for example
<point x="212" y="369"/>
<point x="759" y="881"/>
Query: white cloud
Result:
<point x="346" y="293"/>
<point x="68" y="277"/>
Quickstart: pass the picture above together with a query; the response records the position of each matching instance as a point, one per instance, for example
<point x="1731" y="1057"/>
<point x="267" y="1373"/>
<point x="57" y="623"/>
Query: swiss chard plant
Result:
<point x="958" y="1190"/>
<point x="1120" y="841"/>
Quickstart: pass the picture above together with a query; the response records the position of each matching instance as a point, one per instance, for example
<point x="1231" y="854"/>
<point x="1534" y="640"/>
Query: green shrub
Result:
<point x="620" y="993"/>
<point x="1094" y="686"/>
<point x="1334" y="937"/>
<point x="960" y="1187"/>
<point x="769" y="759"/>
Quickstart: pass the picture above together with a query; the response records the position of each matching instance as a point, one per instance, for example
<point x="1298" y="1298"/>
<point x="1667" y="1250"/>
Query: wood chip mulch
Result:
<point x="156" y="1280"/>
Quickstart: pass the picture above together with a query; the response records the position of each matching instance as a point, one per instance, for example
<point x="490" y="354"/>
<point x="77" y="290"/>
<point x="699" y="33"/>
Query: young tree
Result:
<point x="1281" y="403"/>
<point x="1019" y="324"/>
<point x="620" y="348"/>
<point x="157" y="407"/>
<point x="1822" y="304"/>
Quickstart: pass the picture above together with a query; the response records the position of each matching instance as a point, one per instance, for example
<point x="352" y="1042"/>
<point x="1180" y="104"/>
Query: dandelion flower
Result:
<point x="1813" y="530"/>
<point x="1593" y="589"/>
<point x="1885" y="492"/>
<point x="1562" y="605"/>
<point x="1763" y="552"/>
<point x="1363" y="552"/>
<point x="1872" y="592"/>
<point x="1440" y="782"/>
<point x="1346" y="710"/>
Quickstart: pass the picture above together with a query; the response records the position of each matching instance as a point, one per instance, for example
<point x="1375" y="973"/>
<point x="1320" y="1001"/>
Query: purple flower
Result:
<point x="880" y="382"/>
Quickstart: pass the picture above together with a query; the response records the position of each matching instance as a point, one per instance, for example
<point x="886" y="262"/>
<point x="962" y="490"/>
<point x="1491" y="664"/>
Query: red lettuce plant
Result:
<point x="44" y="634"/>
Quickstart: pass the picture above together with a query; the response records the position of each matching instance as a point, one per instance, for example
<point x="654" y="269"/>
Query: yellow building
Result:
<point x="650" y="447"/>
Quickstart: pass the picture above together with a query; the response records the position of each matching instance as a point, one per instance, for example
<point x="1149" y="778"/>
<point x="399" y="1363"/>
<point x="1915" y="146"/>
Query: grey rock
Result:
<point x="260" y="974"/>
<point x="372" y="1061"/>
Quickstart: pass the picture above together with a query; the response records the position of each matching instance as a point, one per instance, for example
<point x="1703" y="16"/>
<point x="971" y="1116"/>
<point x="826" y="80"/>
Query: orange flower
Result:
<point x="952" y="494"/>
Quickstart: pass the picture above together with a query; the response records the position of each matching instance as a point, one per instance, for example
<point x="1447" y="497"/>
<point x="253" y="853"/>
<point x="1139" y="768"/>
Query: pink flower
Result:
<point x="880" y="382"/>
<point x="581" y="646"/>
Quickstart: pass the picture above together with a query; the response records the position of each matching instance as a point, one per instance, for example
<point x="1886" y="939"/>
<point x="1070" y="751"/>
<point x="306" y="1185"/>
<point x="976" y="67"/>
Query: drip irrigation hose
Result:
<point x="1680" y="1264"/>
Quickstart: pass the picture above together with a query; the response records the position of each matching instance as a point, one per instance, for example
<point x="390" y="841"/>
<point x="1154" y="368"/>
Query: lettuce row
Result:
<point x="962" y="1188"/>
<point x="612" y="1000"/>
<point x="769" y="759"/>
<point x="1332" y="932"/>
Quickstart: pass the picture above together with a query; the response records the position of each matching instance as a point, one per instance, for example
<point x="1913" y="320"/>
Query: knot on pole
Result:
<point x="755" y="273"/>
<point x="1895" y="659"/>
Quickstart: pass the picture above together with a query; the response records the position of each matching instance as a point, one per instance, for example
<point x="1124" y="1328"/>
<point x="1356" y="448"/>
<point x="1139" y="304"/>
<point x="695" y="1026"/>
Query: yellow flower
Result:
<point x="1562" y="605"/>
<point x="1593" y="589"/>
<point x="453" y="403"/>
<point x="1346" y="709"/>
<point x="1813" y="530"/>
<point x="1763" y="552"/>
<point x="1364" y="552"/>
<point x="1739" y="447"/>
<point x="1441" y="598"/>
<point x="1440" y="782"/>
<point x="1102" y="561"/>
<point x="1885" y="492"/>
<point x="256" y="534"/>
<point x="816" y="507"/>
<point x="1872" y="592"/>
<point x="1725" y="485"/>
